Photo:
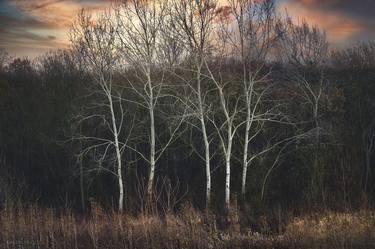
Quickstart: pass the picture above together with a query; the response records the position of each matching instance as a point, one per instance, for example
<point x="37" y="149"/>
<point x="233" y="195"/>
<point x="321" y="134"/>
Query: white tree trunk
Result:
<point x="208" y="166"/>
<point x="227" y="184"/>
<point x="228" y="167"/>
<point x="118" y="156"/>
<point x="152" y="138"/>
<point x="120" y="181"/>
<point x="205" y="138"/>
<point x="245" y="155"/>
<point x="152" y="154"/>
<point x="226" y="143"/>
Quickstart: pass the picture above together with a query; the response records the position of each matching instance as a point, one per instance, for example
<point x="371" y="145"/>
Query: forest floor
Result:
<point x="39" y="228"/>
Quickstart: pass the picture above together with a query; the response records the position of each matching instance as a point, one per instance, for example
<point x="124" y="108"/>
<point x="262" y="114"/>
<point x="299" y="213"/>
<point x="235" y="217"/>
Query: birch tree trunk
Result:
<point x="208" y="166"/>
<point x="245" y="153"/>
<point x="206" y="142"/>
<point x="140" y="35"/>
<point x="152" y="140"/>
<point x="194" y="23"/>
<point x="228" y="168"/>
<point x="95" y="43"/>
<point x="118" y="155"/>
<point x="227" y="128"/>
<point x="257" y="28"/>
<point x="227" y="144"/>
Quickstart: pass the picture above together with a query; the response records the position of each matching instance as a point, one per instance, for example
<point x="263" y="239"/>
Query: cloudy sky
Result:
<point x="31" y="27"/>
<point x="346" y="21"/>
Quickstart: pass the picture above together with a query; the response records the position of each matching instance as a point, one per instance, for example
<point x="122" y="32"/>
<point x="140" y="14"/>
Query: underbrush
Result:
<point x="32" y="227"/>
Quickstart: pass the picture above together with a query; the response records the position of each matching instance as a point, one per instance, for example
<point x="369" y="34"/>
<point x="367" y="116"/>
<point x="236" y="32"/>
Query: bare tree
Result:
<point x="193" y="22"/>
<point x="95" y="43"/>
<point x="141" y="24"/>
<point x="304" y="45"/>
<point x="360" y="56"/>
<point x="312" y="94"/>
<point x="257" y="29"/>
<point x="225" y="119"/>
<point x="252" y="34"/>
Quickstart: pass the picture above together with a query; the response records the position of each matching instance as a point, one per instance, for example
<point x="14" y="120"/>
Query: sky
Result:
<point x="32" y="27"/>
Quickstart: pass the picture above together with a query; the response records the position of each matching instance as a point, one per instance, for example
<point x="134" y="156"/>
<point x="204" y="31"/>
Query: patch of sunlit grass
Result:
<point x="333" y="230"/>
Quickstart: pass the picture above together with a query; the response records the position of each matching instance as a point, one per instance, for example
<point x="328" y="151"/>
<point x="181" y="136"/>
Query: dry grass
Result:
<point x="35" y="228"/>
<point x="333" y="230"/>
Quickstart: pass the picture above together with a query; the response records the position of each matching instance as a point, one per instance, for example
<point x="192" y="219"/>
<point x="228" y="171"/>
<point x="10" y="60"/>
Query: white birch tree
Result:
<point x="140" y="37"/>
<point x="193" y="22"/>
<point x="95" y="42"/>
<point x="225" y="119"/>
<point x="252" y="35"/>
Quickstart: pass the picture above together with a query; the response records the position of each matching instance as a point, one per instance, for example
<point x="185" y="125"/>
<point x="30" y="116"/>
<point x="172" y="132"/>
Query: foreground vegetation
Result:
<point x="32" y="227"/>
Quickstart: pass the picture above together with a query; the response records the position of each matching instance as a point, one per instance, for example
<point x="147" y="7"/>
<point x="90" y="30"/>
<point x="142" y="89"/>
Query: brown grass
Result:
<point x="32" y="227"/>
<point x="333" y="230"/>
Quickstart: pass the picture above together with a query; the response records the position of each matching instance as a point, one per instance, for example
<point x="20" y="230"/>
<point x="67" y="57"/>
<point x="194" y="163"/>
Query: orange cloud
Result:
<point x="46" y="26"/>
<point x="339" y="28"/>
<point x="57" y="13"/>
<point x="318" y="2"/>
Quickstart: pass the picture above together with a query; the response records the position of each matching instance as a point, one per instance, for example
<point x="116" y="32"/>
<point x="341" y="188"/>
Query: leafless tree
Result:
<point x="253" y="32"/>
<point x="360" y="56"/>
<point x="304" y="45"/>
<point x="312" y="94"/>
<point x="141" y="23"/>
<point x="225" y="118"/>
<point x="95" y="42"/>
<point x="193" y="23"/>
<point x="257" y="29"/>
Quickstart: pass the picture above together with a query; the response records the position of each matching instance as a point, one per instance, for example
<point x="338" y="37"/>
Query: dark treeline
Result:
<point x="189" y="101"/>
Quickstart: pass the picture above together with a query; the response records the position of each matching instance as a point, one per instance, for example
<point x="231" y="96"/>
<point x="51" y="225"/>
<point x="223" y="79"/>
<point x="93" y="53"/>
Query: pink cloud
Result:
<point x="339" y="27"/>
